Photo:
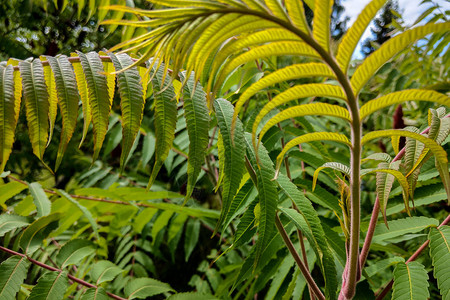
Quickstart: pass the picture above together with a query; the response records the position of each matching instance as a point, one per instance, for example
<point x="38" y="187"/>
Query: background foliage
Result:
<point x="92" y="220"/>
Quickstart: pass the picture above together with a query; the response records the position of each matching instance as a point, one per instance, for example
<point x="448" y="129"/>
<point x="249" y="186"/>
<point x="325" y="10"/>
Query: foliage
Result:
<point x="290" y="220"/>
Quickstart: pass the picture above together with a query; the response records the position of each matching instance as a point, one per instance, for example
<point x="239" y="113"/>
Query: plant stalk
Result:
<point x="304" y="269"/>
<point x="376" y="211"/>
<point x="413" y="257"/>
<point x="50" y="268"/>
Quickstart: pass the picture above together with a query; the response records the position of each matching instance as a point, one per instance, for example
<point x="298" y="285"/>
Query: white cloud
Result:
<point x="410" y="10"/>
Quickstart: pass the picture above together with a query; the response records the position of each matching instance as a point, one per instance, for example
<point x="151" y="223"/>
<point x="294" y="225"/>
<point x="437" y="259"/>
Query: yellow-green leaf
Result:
<point x="273" y="49"/>
<point x="354" y="33"/>
<point x="83" y="91"/>
<point x="321" y="22"/>
<point x="8" y="119"/>
<point x="99" y="98"/>
<point x="320" y="109"/>
<point x="131" y="102"/>
<point x="52" y="99"/>
<point x="333" y="165"/>
<point x="296" y="13"/>
<point x="68" y="100"/>
<point x="296" y="71"/>
<point x="36" y="103"/>
<point x="402" y="96"/>
<point x="165" y="118"/>
<point x="310" y="137"/>
<point x="390" y="48"/>
<point x="439" y="153"/>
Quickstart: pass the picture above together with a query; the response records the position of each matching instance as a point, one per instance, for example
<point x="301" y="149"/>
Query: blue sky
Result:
<point x="410" y="9"/>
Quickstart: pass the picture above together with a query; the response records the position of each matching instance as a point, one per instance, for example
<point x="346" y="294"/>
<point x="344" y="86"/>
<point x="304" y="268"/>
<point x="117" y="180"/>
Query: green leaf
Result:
<point x="234" y="150"/>
<point x="51" y="286"/>
<point x="132" y="100"/>
<point x="317" y="240"/>
<point x="8" y="118"/>
<point x="103" y="271"/>
<point x="402" y="96"/>
<point x="321" y="21"/>
<point x="244" y="196"/>
<point x="9" y="222"/>
<point x="385" y="180"/>
<point x="296" y="13"/>
<point x="320" y="109"/>
<point x="333" y="165"/>
<point x="33" y="236"/>
<point x="143" y="218"/>
<point x="161" y="223"/>
<point x="410" y="281"/>
<point x="43" y="204"/>
<point x="389" y="49"/>
<point x="74" y="252"/>
<point x="378" y="157"/>
<point x="9" y="190"/>
<point x="296" y="71"/>
<point x="197" y="124"/>
<point x="439" y="153"/>
<point x="267" y="194"/>
<point x="310" y="137"/>
<point x="141" y="288"/>
<point x="52" y="98"/>
<point x="353" y="35"/>
<point x="191" y="237"/>
<point x="440" y="255"/>
<point x="277" y="48"/>
<point x="83" y="209"/>
<point x="67" y="92"/>
<point x="192" y="296"/>
<point x="36" y="103"/>
<point x="165" y="118"/>
<point x="95" y="294"/>
<point x="98" y="97"/>
<point x="13" y="272"/>
<point x="401" y="227"/>
<point x="84" y="96"/>
<point x="298" y="92"/>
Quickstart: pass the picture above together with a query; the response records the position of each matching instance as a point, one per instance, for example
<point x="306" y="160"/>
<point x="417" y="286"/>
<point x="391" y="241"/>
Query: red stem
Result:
<point x="50" y="268"/>
<point x="376" y="211"/>
<point x="413" y="257"/>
